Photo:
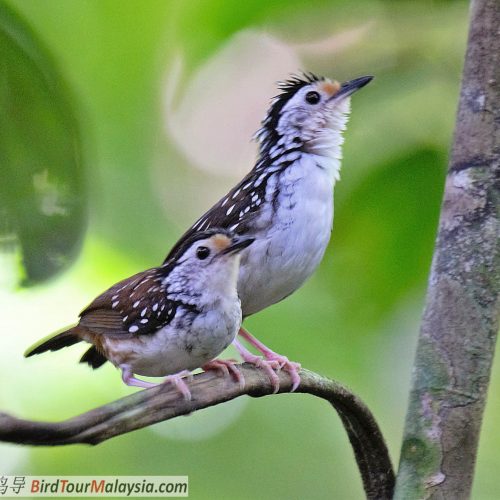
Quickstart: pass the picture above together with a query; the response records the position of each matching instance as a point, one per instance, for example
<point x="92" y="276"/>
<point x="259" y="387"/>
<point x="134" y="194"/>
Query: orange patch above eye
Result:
<point x="220" y="242"/>
<point x="330" y="88"/>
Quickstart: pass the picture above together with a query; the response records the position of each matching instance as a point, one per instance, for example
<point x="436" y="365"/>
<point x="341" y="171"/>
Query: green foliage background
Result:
<point x="82" y="131"/>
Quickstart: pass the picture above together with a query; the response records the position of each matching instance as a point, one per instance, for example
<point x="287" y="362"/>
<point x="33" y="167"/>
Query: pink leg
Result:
<point x="225" y="366"/>
<point x="284" y="363"/>
<point x="175" y="380"/>
<point x="267" y="366"/>
<point x="129" y="379"/>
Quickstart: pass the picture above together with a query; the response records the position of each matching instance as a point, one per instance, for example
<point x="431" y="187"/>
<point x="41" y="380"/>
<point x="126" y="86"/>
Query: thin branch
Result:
<point x="461" y="318"/>
<point x="162" y="403"/>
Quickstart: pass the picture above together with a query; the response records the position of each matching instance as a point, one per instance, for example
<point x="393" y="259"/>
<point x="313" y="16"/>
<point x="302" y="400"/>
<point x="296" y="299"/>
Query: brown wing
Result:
<point x="104" y="322"/>
<point x="135" y="306"/>
<point x="235" y="211"/>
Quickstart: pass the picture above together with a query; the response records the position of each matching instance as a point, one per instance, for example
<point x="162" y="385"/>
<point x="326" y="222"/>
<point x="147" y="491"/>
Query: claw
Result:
<point x="268" y="366"/>
<point x="277" y="361"/>
<point x="286" y="365"/>
<point x="176" y="380"/>
<point x="226" y="366"/>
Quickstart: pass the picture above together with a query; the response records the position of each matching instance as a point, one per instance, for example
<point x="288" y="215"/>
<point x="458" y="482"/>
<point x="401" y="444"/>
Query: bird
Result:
<point x="167" y="320"/>
<point x="285" y="202"/>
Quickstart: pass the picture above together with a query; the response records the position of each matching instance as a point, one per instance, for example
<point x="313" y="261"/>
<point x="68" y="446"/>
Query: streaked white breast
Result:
<point x="286" y="255"/>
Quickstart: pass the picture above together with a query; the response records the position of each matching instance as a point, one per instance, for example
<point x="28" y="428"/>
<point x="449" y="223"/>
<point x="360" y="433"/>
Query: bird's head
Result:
<point x="209" y="261"/>
<point x="309" y="114"/>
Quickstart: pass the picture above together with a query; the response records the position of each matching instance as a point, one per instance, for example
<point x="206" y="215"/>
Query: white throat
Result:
<point x="326" y="146"/>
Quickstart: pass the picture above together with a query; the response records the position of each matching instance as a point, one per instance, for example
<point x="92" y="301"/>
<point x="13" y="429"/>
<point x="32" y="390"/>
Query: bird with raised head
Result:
<point x="168" y="320"/>
<point x="286" y="201"/>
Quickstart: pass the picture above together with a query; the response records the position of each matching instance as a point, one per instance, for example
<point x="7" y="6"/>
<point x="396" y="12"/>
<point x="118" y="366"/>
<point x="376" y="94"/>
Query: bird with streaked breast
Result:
<point x="167" y="320"/>
<point x="286" y="201"/>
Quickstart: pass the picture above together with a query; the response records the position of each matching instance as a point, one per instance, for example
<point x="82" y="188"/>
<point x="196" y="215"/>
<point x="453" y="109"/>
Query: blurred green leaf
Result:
<point x="384" y="234"/>
<point x="42" y="196"/>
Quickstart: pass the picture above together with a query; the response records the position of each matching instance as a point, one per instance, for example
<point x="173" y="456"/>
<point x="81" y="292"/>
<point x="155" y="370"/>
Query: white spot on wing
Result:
<point x="259" y="180"/>
<point x="133" y="329"/>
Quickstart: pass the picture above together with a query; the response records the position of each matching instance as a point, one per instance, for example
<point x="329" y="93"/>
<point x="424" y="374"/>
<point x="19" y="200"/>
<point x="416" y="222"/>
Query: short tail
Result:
<point x="63" y="339"/>
<point x="93" y="358"/>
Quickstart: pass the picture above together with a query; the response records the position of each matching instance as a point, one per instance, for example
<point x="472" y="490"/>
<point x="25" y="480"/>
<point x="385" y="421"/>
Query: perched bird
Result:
<point x="286" y="201"/>
<point x="166" y="320"/>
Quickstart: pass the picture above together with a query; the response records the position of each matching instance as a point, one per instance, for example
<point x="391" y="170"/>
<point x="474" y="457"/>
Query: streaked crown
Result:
<point x="307" y="115"/>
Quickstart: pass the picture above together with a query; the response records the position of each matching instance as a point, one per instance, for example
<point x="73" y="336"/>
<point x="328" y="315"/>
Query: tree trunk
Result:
<point x="461" y="317"/>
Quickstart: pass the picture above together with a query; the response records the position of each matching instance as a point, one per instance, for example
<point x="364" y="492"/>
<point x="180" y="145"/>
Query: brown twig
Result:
<point x="162" y="403"/>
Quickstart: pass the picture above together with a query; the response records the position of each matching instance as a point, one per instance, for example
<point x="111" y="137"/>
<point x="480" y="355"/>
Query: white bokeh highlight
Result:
<point x="213" y="116"/>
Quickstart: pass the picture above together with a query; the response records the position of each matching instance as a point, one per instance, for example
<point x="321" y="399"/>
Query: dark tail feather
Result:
<point x="55" y="343"/>
<point x="93" y="358"/>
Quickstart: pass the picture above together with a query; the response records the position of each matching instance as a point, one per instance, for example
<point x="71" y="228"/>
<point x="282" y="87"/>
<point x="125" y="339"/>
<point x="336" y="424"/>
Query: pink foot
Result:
<point x="225" y="366"/>
<point x="283" y="362"/>
<point x="176" y="380"/>
<point x="268" y="366"/>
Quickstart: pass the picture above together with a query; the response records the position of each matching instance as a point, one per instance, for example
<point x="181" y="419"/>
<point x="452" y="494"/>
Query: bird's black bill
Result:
<point x="348" y="88"/>
<point x="238" y="244"/>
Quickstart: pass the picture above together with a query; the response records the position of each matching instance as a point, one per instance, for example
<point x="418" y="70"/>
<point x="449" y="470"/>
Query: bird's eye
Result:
<point x="202" y="253"/>
<point x="312" y="97"/>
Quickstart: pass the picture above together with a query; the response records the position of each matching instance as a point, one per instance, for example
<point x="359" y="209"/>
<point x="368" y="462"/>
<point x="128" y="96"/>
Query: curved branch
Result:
<point x="163" y="402"/>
